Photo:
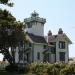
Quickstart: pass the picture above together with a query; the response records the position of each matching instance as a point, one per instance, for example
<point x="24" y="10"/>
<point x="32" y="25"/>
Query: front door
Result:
<point x="28" y="56"/>
<point x="46" y="57"/>
<point x="62" y="56"/>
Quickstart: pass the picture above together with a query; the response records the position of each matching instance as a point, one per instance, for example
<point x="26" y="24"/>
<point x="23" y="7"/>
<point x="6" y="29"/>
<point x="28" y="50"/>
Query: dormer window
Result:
<point x="61" y="45"/>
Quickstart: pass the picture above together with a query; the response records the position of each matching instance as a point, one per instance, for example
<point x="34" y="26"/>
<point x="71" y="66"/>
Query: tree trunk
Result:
<point x="7" y="55"/>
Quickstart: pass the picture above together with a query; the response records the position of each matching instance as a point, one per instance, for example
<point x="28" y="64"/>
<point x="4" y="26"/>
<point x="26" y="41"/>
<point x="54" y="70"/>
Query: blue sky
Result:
<point x="58" y="13"/>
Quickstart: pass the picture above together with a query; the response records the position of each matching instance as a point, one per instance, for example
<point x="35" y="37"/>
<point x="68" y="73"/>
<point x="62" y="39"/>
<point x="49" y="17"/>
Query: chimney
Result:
<point x="49" y="33"/>
<point x="49" y="36"/>
<point x="60" y="31"/>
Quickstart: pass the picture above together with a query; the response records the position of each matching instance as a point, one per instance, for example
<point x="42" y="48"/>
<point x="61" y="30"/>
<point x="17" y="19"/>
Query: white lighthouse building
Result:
<point x="38" y="49"/>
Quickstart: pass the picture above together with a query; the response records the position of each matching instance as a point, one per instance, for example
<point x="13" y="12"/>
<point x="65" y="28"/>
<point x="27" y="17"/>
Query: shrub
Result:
<point x="23" y="69"/>
<point x="11" y="68"/>
<point x="18" y="68"/>
<point x="52" y="70"/>
<point x="44" y="69"/>
<point x="39" y="69"/>
<point x="68" y="70"/>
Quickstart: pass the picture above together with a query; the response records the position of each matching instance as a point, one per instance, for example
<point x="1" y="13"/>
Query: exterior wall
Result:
<point x="30" y="56"/>
<point x="17" y="60"/>
<point x="38" y="48"/>
<point x="52" y="58"/>
<point x="30" y="51"/>
<point x="37" y="29"/>
<point x="16" y="56"/>
<point x="58" y="50"/>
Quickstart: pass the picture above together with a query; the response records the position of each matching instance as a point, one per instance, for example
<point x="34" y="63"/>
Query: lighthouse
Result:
<point x="35" y="24"/>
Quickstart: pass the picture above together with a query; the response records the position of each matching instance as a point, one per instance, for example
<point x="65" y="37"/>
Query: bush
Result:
<point x="53" y="70"/>
<point x="39" y="69"/>
<point x="18" y="68"/>
<point x="11" y="68"/>
<point x="68" y="70"/>
<point x="44" y="69"/>
<point x="3" y="65"/>
<point x="24" y="69"/>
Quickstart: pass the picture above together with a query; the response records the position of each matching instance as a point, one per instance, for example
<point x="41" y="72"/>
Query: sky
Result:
<point x="58" y="14"/>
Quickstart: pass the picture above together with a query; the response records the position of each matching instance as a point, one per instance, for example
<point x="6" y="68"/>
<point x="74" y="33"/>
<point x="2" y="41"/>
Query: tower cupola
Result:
<point x="35" y="24"/>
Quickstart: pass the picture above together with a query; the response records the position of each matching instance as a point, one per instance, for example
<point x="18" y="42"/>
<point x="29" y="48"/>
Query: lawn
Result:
<point x="10" y="73"/>
<point x="6" y="73"/>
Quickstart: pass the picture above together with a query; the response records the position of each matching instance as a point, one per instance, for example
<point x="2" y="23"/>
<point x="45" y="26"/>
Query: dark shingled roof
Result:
<point x="37" y="39"/>
<point x="55" y="36"/>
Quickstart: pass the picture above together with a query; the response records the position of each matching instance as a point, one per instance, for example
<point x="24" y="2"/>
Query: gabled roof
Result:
<point x="54" y="37"/>
<point x="37" y="39"/>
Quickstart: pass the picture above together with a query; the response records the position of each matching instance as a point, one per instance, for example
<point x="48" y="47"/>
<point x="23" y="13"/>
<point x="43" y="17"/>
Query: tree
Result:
<point x="11" y="33"/>
<point x="6" y="2"/>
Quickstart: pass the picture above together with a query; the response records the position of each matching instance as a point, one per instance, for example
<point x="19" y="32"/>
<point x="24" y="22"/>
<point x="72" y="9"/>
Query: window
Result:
<point x="62" y="56"/>
<point x="53" y="50"/>
<point x="29" y="44"/>
<point x="20" y="55"/>
<point x="61" y="45"/>
<point x="29" y="25"/>
<point x="38" y="55"/>
<point x="28" y="55"/>
<point x="52" y="43"/>
<point x="44" y="46"/>
<point x="36" y="22"/>
<point x="46" y="57"/>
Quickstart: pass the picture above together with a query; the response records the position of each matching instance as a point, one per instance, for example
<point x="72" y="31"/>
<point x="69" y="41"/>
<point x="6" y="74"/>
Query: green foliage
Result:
<point x="24" y="68"/>
<point x="44" y="69"/>
<point x="68" y="70"/>
<point x="6" y="2"/>
<point x="11" y="33"/>
<point x="3" y="65"/>
<point x="52" y="69"/>
<point x="39" y="69"/>
<point x="10" y="29"/>
<point x="47" y="69"/>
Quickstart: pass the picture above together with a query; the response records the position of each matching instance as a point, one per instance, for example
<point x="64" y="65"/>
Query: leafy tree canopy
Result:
<point x="6" y="2"/>
<point x="11" y="33"/>
<point x="10" y="30"/>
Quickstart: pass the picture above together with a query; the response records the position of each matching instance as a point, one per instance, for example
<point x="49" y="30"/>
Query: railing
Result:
<point x="35" y="19"/>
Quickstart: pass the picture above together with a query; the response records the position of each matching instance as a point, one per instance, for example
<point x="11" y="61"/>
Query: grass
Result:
<point x="11" y="73"/>
<point x="6" y="73"/>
